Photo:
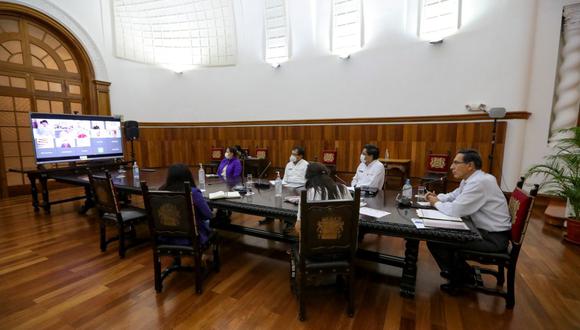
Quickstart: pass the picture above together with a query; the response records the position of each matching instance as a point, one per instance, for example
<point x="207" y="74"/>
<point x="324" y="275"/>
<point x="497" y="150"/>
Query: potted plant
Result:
<point x="561" y="171"/>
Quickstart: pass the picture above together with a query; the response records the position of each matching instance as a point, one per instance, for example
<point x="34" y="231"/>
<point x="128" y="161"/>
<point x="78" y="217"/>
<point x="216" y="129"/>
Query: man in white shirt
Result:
<point x="295" y="171"/>
<point x="480" y="198"/>
<point x="371" y="172"/>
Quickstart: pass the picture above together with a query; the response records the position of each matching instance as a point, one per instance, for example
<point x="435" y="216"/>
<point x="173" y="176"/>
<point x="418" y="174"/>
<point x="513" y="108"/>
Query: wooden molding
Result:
<point x="102" y="86"/>
<point x="380" y="120"/>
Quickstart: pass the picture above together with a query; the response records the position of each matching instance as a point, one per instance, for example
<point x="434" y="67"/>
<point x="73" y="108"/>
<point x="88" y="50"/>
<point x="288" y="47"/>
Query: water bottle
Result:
<point x="407" y="191"/>
<point x="135" y="172"/>
<point x="201" y="177"/>
<point x="278" y="184"/>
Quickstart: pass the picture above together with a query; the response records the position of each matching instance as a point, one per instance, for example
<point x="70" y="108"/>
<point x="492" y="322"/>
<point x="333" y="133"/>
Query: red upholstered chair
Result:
<point x="217" y="154"/>
<point x="436" y="171"/>
<point x="262" y="153"/>
<point x="329" y="160"/>
<point x="520" y="207"/>
<point x="329" y="157"/>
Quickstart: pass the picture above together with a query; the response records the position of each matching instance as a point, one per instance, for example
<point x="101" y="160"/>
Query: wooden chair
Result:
<point x="328" y="242"/>
<point x="125" y="218"/>
<point x="329" y="160"/>
<point x="520" y="208"/>
<point x="174" y="233"/>
<point x="261" y="153"/>
<point x="436" y="171"/>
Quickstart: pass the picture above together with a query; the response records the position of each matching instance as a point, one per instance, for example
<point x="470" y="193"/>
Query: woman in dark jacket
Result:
<point x="176" y="176"/>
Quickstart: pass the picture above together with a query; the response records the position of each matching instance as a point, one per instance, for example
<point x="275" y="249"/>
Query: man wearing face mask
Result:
<point x="371" y="172"/>
<point x="296" y="168"/>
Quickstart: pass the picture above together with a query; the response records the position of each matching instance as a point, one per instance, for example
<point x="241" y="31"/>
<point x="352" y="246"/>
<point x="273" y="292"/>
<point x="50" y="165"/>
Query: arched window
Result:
<point x="43" y="68"/>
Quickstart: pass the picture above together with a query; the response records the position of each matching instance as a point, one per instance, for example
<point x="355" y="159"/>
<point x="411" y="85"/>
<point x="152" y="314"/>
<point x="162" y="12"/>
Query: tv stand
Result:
<point x="42" y="174"/>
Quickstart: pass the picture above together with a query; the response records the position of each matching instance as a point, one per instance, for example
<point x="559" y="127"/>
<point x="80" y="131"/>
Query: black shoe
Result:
<point x="445" y="274"/>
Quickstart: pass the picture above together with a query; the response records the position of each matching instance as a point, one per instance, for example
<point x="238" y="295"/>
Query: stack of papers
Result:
<point x="373" y="212"/>
<point x="224" y="194"/>
<point x="436" y="215"/>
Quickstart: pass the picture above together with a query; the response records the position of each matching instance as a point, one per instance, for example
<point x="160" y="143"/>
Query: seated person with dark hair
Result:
<point x="230" y="167"/>
<point x="320" y="186"/>
<point x="371" y="172"/>
<point x="480" y="198"/>
<point x="295" y="171"/>
<point x="177" y="174"/>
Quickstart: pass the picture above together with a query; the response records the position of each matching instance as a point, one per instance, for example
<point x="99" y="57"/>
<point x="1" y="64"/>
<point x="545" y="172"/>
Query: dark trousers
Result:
<point x="444" y="253"/>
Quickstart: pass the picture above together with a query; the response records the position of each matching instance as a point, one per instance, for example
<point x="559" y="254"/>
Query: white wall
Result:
<point x="504" y="54"/>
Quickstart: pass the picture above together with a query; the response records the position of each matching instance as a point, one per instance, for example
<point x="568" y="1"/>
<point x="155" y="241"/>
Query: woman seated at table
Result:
<point x="176" y="176"/>
<point x="320" y="186"/>
<point x="230" y="167"/>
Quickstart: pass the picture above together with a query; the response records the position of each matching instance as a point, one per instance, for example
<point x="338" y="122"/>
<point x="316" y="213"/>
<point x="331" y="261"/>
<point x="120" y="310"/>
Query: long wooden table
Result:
<point x="264" y="203"/>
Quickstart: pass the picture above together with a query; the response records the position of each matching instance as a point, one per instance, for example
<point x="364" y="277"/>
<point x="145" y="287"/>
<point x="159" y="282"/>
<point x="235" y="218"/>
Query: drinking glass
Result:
<point x="421" y="191"/>
<point x="249" y="184"/>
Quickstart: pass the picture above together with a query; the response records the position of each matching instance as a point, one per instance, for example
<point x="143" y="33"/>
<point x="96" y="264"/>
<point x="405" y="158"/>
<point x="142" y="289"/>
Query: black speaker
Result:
<point x="131" y="130"/>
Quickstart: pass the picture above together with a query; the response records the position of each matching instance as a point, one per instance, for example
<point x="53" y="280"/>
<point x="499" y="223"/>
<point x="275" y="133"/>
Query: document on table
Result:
<point x="224" y="194"/>
<point x="418" y="223"/>
<point x="436" y="215"/>
<point x="373" y="212"/>
<point x="430" y="223"/>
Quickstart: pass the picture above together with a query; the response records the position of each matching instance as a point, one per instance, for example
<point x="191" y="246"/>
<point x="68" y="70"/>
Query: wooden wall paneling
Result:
<point x="162" y="146"/>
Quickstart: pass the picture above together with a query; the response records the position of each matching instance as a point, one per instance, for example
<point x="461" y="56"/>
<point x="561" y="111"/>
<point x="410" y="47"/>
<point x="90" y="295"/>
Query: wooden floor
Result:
<point x="52" y="275"/>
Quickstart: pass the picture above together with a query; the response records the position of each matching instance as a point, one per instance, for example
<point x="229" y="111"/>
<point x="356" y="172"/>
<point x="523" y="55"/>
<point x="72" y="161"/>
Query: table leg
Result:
<point x="44" y="186"/>
<point x="410" y="268"/>
<point x="33" y="192"/>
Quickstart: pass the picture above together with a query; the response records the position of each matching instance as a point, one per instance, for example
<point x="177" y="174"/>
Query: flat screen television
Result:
<point x="69" y="138"/>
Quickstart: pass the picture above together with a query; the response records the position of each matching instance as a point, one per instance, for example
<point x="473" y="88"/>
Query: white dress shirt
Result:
<point x="295" y="173"/>
<point x="479" y="197"/>
<point x="371" y="175"/>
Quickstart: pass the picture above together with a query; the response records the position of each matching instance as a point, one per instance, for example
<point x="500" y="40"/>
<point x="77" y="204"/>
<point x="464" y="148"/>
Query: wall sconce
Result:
<point x="436" y="42"/>
<point x="275" y="65"/>
<point x="344" y="56"/>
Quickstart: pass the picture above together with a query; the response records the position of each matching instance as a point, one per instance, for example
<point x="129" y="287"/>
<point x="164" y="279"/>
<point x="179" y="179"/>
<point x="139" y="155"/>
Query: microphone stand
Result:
<point x="259" y="183"/>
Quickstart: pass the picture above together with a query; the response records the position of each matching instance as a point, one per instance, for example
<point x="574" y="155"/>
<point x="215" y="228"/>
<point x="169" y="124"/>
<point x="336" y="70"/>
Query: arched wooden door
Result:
<point x="43" y="68"/>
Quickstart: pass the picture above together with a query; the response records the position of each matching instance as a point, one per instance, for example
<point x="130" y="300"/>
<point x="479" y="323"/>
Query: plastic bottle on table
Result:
<point x="278" y="184"/>
<point x="201" y="177"/>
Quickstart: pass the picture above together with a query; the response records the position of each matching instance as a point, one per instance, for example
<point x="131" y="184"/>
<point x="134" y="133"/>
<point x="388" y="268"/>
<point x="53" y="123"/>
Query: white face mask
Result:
<point x="228" y="155"/>
<point x="293" y="159"/>
<point x="362" y="158"/>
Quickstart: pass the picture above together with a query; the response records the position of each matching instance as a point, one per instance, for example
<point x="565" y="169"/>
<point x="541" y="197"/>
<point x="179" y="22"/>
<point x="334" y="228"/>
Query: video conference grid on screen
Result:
<point x="73" y="137"/>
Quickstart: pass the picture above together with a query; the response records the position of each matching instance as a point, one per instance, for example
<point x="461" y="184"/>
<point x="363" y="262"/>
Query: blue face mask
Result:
<point x="363" y="158"/>
<point x="293" y="159"/>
